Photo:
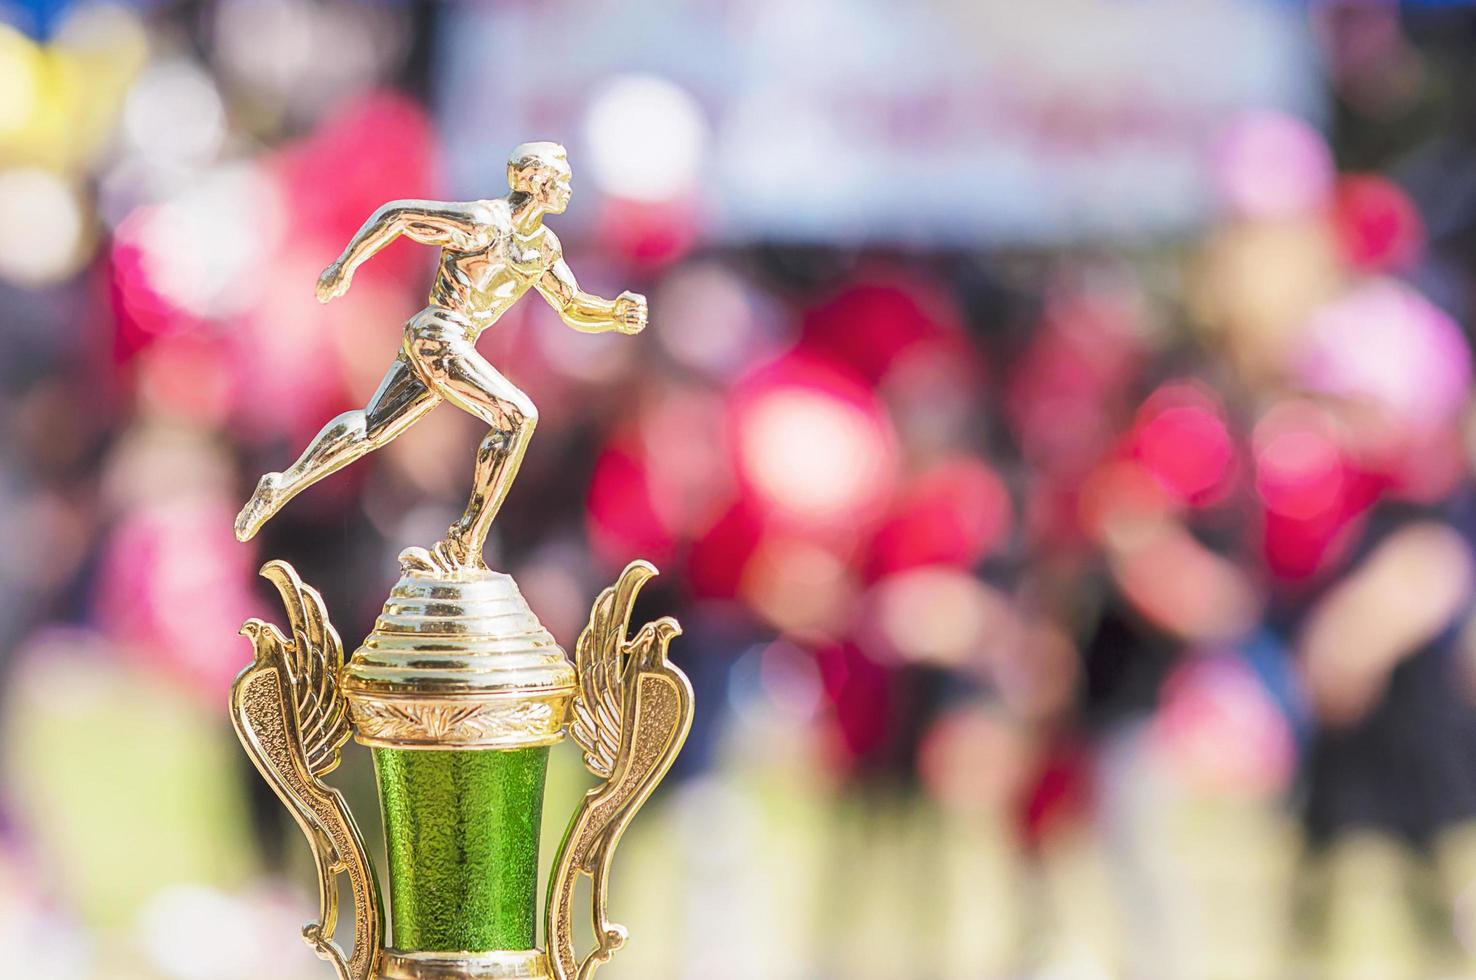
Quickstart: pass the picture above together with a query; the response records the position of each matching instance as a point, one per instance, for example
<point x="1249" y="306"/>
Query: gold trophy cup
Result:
<point x="459" y="690"/>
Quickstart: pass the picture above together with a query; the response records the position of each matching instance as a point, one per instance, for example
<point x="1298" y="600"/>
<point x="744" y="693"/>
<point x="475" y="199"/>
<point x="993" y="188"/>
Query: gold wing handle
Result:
<point x="287" y="685"/>
<point x="633" y="710"/>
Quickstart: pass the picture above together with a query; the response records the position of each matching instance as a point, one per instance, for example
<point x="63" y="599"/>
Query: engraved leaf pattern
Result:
<point x="420" y="722"/>
<point x="312" y="659"/>
<point x="602" y="663"/>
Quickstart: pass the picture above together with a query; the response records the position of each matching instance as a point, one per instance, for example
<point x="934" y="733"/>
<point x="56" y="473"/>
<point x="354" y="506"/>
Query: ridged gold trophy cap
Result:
<point x="458" y="661"/>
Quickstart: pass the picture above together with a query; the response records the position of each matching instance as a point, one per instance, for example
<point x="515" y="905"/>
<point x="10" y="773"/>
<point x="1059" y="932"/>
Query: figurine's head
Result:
<point x="541" y="170"/>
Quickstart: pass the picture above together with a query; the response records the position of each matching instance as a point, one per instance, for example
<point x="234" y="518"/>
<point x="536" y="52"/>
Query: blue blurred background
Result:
<point x="1054" y="431"/>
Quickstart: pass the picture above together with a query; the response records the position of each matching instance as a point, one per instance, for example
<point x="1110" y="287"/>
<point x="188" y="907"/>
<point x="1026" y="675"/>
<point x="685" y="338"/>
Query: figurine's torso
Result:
<point x="482" y="283"/>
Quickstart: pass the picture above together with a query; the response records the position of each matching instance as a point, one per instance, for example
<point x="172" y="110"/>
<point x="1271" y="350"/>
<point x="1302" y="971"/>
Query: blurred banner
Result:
<point x="929" y="122"/>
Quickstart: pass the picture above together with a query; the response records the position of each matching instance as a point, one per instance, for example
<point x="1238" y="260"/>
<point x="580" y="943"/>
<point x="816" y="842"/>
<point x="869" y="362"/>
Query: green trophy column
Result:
<point x="462" y="832"/>
<point x="459" y="690"/>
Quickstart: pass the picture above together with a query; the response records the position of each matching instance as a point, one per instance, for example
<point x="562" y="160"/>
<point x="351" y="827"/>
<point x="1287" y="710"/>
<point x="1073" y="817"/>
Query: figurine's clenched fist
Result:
<point x="630" y="313"/>
<point x="334" y="282"/>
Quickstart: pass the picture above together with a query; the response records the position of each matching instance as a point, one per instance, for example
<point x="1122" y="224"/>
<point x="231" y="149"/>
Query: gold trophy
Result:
<point x="459" y="690"/>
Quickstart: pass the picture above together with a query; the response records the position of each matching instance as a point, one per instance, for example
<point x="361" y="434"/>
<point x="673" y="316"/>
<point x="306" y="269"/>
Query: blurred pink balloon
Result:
<point x="1385" y="343"/>
<point x="1271" y="165"/>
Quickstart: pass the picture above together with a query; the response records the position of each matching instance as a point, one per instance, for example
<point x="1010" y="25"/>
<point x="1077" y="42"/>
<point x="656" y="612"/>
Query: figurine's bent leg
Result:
<point x="513" y="417"/>
<point x="460" y="375"/>
<point x="401" y="399"/>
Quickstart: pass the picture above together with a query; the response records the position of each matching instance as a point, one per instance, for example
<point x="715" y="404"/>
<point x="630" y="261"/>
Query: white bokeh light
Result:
<point x="813" y="456"/>
<point x="174" y="114"/>
<point x="219" y="280"/>
<point x="646" y="137"/>
<point x="193" y="932"/>
<point x="41" y="228"/>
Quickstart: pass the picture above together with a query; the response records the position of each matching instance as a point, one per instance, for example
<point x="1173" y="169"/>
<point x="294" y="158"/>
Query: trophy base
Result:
<point x="522" y="964"/>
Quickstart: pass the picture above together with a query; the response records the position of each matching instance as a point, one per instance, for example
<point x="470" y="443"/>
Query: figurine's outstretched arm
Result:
<point x="463" y="227"/>
<point x="587" y="312"/>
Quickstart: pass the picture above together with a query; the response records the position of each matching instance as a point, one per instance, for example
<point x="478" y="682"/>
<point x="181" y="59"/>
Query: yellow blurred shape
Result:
<point x="59" y="102"/>
<point x="1256" y="283"/>
<point x="1081" y="933"/>
<point x="20" y="80"/>
<point x="122" y="784"/>
<point x="1372" y="931"/>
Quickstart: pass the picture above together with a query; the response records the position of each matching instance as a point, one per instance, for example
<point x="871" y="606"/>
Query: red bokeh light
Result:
<point x="377" y="148"/>
<point x="814" y="447"/>
<point x="954" y="513"/>
<point x="653" y="233"/>
<point x="141" y="311"/>
<point x="717" y="560"/>
<point x="860" y="693"/>
<point x="1312" y="495"/>
<point x="866" y="327"/>
<point x="1065" y="390"/>
<point x="621" y="517"/>
<point x="1181" y="439"/>
<point x="1376" y="224"/>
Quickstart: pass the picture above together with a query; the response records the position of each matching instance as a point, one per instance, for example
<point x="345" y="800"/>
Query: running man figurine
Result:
<point x="491" y="253"/>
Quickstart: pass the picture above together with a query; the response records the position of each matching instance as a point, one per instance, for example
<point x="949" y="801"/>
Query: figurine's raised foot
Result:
<point x="264" y="502"/>
<point x="445" y="558"/>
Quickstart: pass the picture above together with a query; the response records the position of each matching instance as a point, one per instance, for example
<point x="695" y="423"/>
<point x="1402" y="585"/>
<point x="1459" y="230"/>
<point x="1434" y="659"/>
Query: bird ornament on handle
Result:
<point x="293" y="720"/>
<point x="632" y="712"/>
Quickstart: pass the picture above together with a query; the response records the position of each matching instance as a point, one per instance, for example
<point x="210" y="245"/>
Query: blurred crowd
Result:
<point x="1087" y="606"/>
